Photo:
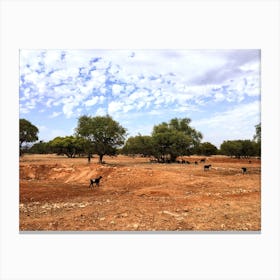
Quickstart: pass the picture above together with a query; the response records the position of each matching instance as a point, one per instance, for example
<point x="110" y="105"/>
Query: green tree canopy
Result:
<point x="207" y="149"/>
<point x="28" y="133"/>
<point x="139" y="145"/>
<point x="104" y="133"/>
<point x="239" y="148"/>
<point x="175" y="138"/>
<point x="68" y="145"/>
<point x="40" y="148"/>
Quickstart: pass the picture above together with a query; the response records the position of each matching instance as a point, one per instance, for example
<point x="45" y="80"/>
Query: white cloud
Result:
<point x="114" y="107"/>
<point x="42" y="128"/>
<point x="23" y="110"/>
<point x="236" y="123"/>
<point x="69" y="104"/>
<point x="116" y="89"/>
<point x="91" y="101"/>
<point x="58" y="132"/>
<point x="49" y="102"/>
<point x="138" y="95"/>
<point x="237" y="115"/>
<point x="55" y="114"/>
<point x="147" y="82"/>
<point x="219" y="97"/>
<point x="101" y="112"/>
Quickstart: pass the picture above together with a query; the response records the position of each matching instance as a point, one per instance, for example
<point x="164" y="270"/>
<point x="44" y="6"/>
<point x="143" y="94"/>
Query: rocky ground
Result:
<point x="136" y="195"/>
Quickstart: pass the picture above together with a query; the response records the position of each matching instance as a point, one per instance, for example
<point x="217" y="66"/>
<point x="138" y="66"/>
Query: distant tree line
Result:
<point x="104" y="136"/>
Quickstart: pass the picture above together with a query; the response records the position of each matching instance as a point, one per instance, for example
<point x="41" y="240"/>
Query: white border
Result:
<point x="136" y="25"/>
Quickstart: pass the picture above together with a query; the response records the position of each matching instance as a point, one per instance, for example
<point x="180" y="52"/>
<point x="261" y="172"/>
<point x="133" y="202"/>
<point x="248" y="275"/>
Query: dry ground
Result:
<point x="136" y="195"/>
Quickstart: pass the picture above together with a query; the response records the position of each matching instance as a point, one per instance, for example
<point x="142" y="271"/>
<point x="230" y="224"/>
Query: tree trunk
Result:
<point x="100" y="158"/>
<point x="89" y="157"/>
<point x="20" y="151"/>
<point x="173" y="158"/>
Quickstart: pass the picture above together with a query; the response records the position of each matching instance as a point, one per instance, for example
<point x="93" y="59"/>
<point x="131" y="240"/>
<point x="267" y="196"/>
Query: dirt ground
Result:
<point x="137" y="195"/>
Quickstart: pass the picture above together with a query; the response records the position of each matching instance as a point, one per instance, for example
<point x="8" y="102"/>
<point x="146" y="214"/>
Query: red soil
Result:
<point x="136" y="195"/>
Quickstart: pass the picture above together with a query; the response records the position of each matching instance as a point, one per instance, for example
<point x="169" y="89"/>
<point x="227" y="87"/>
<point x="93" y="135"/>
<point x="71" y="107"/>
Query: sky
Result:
<point x="219" y="90"/>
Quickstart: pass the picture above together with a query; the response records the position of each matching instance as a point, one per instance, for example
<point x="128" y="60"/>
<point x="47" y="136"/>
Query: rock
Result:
<point x="135" y="226"/>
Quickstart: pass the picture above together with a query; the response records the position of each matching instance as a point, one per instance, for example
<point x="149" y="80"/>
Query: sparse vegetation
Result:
<point x="105" y="136"/>
<point x="28" y="133"/>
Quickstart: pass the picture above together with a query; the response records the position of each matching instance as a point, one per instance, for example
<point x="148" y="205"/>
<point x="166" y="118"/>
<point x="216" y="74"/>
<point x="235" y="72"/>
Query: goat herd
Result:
<point x="203" y="160"/>
<point x="182" y="161"/>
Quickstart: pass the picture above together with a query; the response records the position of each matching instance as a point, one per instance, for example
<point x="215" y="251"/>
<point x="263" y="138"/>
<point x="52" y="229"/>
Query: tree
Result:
<point x="231" y="148"/>
<point x="40" y="148"/>
<point x="139" y="145"/>
<point x="239" y="148"/>
<point x="104" y="133"/>
<point x="174" y="139"/>
<point x="207" y="149"/>
<point x="28" y="133"/>
<point x="68" y="145"/>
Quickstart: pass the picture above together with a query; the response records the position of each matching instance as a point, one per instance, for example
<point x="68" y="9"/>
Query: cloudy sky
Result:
<point x="219" y="90"/>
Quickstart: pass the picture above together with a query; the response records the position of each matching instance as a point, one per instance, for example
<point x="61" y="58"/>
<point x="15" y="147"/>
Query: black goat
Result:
<point x="244" y="170"/>
<point x="94" y="181"/>
<point x="203" y="160"/>
<point x="207" y="167"/>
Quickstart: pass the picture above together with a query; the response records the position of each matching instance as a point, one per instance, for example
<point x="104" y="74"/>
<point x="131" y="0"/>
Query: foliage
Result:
<point x="139" y="145"/>
<point x="68" y="145"/>
<point x="174" y="139"/>
<point x="206" y="149"/>
<point x="239" y="148"/>
<point x="40" y="148"/>
<point x="28" y="133"/>
<point x="104" y="134"/>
